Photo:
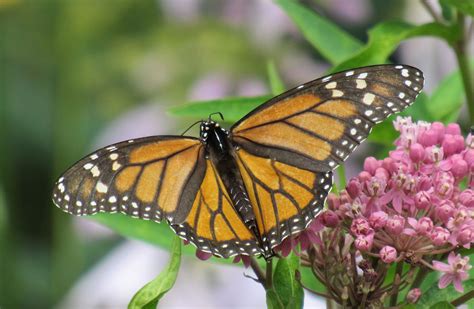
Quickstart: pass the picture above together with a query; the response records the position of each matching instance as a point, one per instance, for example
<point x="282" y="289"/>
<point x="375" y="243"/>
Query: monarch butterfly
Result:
<point x="243" y="190"/>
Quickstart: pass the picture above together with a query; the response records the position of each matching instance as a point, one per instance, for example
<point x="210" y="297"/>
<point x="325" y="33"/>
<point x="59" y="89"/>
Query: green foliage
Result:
<point x="286" y="291"/>
<point x="465" y="6"/>
<point x="149" y="296"/>
<point x="276" y="84"/>
<point x="333" y="43"/>
<point x="385" y="37"/>
<point x="434" y="295"/>
<point x="232" y="108"/>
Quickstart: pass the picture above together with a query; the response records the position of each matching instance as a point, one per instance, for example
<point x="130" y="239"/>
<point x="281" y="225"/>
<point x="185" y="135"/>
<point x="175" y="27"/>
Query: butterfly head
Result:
<point x="211" y="128"/>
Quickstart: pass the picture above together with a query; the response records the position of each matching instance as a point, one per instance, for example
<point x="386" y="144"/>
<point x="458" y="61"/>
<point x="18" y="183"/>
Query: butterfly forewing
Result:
<point x="317" y="125"/>
<point x="150" y="178"/>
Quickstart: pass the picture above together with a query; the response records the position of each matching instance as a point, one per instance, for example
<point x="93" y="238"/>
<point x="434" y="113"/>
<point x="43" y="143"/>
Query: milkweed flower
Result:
<point x="414" y="206"/>
<point x="455" y="271"/>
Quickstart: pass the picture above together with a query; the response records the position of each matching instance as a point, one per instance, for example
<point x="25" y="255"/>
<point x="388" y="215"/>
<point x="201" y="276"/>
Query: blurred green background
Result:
<point x="77" y="74"/>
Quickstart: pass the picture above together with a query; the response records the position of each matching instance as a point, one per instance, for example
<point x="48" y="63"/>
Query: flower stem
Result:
<point x="463" y="299"/>
<point x="258" y="271"/>
<point x="269" y="281"/>
<point x="396" y="284"/>
<point x="460" y="49"/>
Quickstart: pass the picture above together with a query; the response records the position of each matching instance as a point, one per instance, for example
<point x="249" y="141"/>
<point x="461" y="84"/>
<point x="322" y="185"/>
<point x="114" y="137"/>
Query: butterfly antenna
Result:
<point x="216" y="113"/>
<point x="191" y="127"/>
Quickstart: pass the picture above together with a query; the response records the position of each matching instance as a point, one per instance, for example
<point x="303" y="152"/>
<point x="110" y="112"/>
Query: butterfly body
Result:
<point x="246" y="189"/>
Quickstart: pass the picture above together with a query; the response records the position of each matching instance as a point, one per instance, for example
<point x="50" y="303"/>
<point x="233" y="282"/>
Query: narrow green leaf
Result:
<point x="442" y="305"/>
<point x="276" y="83"/>
<point x="333" y="43"/>
<point x="385" y="37"/>
<point x="285" y="284"/>
<point x="152" y="292"/>
<point x="232" y="108"/>
<point x="435" y="295"/>
<point x="464" y="6"/>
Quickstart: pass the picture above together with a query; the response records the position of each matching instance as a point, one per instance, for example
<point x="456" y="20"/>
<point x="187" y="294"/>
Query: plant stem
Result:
<point x="463" y="299"/>
<point x="397" y="276"/>
<point x="460" y="49"/>
<point x="269" y="281"/>
<point x="258" y="271"/>
<point x="420" y="276"/>
<point x="428" y="6"/>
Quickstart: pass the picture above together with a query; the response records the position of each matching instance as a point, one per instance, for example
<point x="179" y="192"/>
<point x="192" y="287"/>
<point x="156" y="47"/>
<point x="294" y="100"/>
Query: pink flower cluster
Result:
<point x="415" y="205"/>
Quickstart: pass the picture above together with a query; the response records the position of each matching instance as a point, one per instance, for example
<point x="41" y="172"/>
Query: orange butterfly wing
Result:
<point x="155" y="178"/>
<point x="287" y="147"/>
<point x="213" y="224"/>
<point x="317" y="125"/>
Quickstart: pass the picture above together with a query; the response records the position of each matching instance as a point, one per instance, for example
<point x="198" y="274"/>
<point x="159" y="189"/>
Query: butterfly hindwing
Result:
<point x="285" y="198"/>
<point x="213" y="224"/>
<point x="317" y="125"/>
<point x="150" y="178"/>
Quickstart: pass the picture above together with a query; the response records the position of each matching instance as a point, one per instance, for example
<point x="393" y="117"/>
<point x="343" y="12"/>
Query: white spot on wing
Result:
<point x="95" y="171"/>
<point x="337" y="93"/>
<point x="101" y="187"/>
<point x="331" y="85"/>
<point x="368" y="98"/>
<point x="361" y="84"/>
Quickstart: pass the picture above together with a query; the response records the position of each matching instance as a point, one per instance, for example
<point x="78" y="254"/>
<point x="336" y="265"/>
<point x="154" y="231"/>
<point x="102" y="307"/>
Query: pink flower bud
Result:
<point x="459" y="142"/>
<point x="414" y="295"/>
<point x="329" y="218"/>
<point x="364" y="176"/>
<point x="395" y="225"/>
<point x="378" y="219"/>
<point x="389" y="164"/>
<point x="445" y="211"/>
<point x="467" y="198"/>
<point x="459" y="167"/>
<point x="333" y="201"/>
<point x="428" y="138"/>
<point x="382" y="173"/>
<point x="417" y="153"/>
<point x="424" y="226"/>
<point x="469" y="157"/>
<point x="450" y="145"/>
<point x="422" y="200"/>
<point x="364" y="242"/>
<point x="203" y="255"/>
<point x="439" y="236"/>
<point x="371" y="164"/>
<point x="353" y="188"/>
<point x="361" y="226"/>
<point x="438" y="127"/>
<point x="453" y="129"/>
<point x="465" y="235"/>
<point x="388" y="254"/>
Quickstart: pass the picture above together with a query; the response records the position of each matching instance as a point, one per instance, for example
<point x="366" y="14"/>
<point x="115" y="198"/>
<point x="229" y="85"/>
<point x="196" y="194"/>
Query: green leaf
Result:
<point x="434" y="295"/>
<point x="158" y="234"/>
<point x="286" y="285"/>
<point x="333" y="43"/>
<point x="464" y="6"/>
<point x="152" y="292"/>
<point x="276" y="84"/>
<point x="448" y="98"/>
<point x="273" y="302"/>
<point x="385" y="37"/>
<point x="232" y="108"/>
<point x="442" y="305"/>
<point x="309" y="280"/>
